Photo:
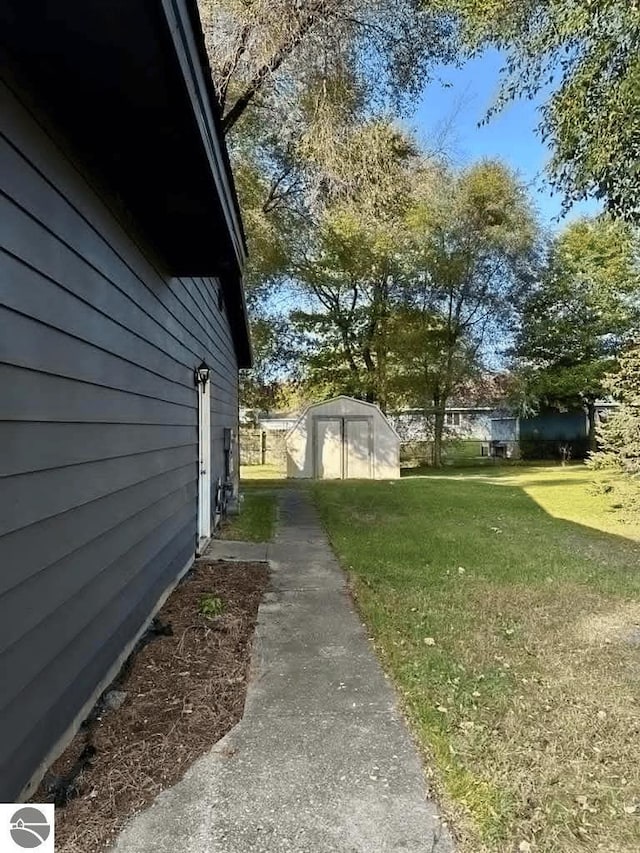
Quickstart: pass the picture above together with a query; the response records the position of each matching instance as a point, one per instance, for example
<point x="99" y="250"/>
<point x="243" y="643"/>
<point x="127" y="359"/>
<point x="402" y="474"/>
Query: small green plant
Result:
<point x="211" y="606"/>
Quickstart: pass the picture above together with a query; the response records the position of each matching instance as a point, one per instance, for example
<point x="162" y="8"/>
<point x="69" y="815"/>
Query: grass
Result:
<point x="256" y="519"/>
<point x="253" y="474"/>
<point x="505" y="604"/>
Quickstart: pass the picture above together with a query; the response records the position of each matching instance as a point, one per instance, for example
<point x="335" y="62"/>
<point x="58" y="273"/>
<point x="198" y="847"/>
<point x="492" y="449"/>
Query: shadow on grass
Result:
<point x="507" y="629"/>
<point x="455" y="516"/>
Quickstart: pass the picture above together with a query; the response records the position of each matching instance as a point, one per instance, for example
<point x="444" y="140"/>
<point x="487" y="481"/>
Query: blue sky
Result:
<point x="510" y="135"/>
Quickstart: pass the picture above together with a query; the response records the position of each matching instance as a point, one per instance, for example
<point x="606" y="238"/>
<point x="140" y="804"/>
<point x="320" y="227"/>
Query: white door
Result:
<point x="328" y="448"/>
<point x="204" y="459"/>
<point x="357" y="448"/>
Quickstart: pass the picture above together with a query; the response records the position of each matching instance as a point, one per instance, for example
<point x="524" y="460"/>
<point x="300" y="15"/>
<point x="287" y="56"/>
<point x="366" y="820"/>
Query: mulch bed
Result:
<point x="185" y="687"/>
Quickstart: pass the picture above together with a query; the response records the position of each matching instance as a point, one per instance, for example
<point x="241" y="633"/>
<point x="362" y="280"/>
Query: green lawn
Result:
<point x="251" y="474"/>
<point x="505" y="605"/>
<point x="256" y="519"/>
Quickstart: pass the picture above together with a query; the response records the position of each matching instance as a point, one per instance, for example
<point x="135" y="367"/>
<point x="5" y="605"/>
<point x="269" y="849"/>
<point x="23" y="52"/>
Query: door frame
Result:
<point x="203" y="384"/>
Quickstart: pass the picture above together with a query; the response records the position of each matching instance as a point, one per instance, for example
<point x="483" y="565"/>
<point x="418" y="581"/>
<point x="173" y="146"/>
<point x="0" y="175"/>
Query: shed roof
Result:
<point x="374" y="406"/>
<point x="125" y="86"/>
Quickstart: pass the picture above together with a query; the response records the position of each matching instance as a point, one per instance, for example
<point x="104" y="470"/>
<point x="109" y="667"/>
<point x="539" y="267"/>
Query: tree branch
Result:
<point x="230" y="66"/>
<point x="317" y="11"/>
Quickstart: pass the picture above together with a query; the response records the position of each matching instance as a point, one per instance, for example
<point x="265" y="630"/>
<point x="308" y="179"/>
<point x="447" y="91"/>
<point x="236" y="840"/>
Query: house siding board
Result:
<point x="98" y="436"/>
<point x="80" y="229"/>
<point x="37" y="495"/>
<point x="55" y="694"/>
<point x="74" y="589"/>
<point x="30" y="395"/>
<point x="77" y="590"/>
<point x="23" y="555"/>
<point x="39" y="446"/>
<point x="43" y="251"/>
<point x="26" y="343"/>
<point x="76" y="316"/>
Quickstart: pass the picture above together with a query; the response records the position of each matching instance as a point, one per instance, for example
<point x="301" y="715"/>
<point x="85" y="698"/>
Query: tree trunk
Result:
<point x="591" y="419"/>
<point x="438" y="430"/>
<point x="371" y="395"/>
<point x="381" y="365"/>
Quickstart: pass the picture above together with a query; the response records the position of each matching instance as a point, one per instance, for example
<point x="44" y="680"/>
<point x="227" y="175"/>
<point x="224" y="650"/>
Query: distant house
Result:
<point x="460" y="421"/>
<point x="499" y="432"/>
<point x="122" y="328"/>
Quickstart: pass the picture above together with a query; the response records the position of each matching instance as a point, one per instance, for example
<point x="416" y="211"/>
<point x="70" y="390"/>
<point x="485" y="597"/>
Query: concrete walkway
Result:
<point x="321" y="761"/>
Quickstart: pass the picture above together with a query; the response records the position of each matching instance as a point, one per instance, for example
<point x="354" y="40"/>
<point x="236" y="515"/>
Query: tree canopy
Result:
<point x="473" y="237"/>
<point x="583" y="310"/>
<point x="302" y="85"/>
<point x="413" y="279"/>
<point x="584" y="55"/>
<point x="262" y="51"/>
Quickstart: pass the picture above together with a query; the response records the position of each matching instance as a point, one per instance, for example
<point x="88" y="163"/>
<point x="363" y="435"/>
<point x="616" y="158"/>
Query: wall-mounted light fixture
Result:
<point x="202" y="374"/>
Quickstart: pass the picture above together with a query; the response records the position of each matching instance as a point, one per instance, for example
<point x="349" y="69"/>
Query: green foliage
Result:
<point x="268" y="223"/>
<point x="583" y="309"/>
<point x="619" y="434"/>
<point x="299" y="82"/>
<point x="211" y="606"/>
<point x="352" y="268"/>
<point x="473" y="238"/>
<point x="321" y="256"/>
<point x="262" y="388"/>
<point x="588" y="53"/>
<point x="411" y="276"/>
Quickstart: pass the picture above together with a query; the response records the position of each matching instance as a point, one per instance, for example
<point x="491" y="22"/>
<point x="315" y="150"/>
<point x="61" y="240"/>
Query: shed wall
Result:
<point x="98" y="436"/>
<point x="300" y="440"/>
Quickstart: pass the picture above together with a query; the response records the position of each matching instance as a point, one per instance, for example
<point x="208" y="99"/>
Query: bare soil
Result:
<point x="185" y="688"/>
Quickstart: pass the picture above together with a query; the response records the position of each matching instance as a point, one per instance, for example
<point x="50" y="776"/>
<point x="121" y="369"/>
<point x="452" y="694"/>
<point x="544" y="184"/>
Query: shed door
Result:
<point x="357" y="448"/>
<point x="328" y="448"/>
<point x="204" y="460"/>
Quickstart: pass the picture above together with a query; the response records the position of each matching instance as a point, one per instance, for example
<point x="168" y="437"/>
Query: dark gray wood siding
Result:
<point x="98" y="436"/>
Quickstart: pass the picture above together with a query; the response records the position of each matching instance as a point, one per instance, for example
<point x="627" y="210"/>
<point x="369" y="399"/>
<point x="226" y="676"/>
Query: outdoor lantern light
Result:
<point x="202" y="374"/>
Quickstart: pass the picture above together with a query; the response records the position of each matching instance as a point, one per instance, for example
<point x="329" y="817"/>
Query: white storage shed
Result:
<point x="341" y="439"/>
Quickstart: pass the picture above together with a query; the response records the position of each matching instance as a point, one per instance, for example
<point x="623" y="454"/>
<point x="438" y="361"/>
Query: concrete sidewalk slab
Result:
<point x="322" y="761"/>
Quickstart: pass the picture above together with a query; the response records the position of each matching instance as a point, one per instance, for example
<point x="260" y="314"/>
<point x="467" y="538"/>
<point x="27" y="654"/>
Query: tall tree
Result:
<point x="353" y="273"/>
<point x="473" y="236"/>
<point x="352" y="266"/>
<point x="619" y="435"/>
<point x="583" y="310"/>
<point x="587" y="54"/>
<point x="413" y="279"/>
